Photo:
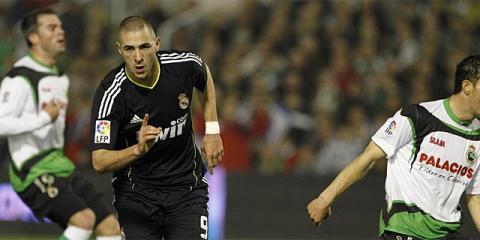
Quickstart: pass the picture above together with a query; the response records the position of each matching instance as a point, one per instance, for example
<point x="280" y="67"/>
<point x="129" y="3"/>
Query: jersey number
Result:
<point x="204" y="226"/>
<point x="45" y="184"/>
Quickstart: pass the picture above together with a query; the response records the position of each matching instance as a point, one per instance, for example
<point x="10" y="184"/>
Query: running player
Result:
<point x="44" y="178"/>
<point x="142" y="131"/>
<point x="432" y="150"/>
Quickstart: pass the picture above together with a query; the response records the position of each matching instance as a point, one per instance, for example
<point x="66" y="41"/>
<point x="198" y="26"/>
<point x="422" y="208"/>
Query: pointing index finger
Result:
<point x="145" y="120"/>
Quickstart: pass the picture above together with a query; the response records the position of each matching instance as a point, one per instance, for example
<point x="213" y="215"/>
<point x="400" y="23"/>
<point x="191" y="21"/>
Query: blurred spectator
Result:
<point x="302" y="82"/>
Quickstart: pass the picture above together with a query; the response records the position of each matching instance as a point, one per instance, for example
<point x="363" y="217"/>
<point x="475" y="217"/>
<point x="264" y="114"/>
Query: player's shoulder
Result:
<point x="423" y="108"/>
<point x="175" y="58"/>
<point x="115" y="76"/>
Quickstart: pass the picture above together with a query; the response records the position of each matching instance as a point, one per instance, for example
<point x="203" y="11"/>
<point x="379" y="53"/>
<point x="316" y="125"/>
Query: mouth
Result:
<point x="140" y="69"/>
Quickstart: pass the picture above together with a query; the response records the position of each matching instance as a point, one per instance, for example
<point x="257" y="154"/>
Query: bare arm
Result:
<point x="112" y="160"/>
<point x="212" y="146"/>
<point x="473" y="202"/>
<point x="319" y="208"/>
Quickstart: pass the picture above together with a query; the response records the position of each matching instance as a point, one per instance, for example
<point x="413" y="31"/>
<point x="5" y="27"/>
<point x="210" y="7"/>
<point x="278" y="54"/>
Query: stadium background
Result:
<point x="301" y="86"/>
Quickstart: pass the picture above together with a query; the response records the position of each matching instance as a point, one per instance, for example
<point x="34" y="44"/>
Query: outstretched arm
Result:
<point x="473" y="202"/>
<point x="319" y="208"/>
<point x="212" y="146"/>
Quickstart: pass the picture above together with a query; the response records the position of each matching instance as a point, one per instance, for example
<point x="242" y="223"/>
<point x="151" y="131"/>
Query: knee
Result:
<point x="83" y="219"/>
<point x="108" y="227"/>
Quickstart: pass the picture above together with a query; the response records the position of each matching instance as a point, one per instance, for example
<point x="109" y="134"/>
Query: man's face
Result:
<point x="50" y="36"/>
<point x="138" y="50"/>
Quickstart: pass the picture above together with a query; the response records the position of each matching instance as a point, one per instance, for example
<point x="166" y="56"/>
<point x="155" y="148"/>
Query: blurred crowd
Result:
<point x="301" y="85"/>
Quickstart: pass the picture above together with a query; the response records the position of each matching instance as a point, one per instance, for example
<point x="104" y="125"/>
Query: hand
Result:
<point x="319" y="210"/>
<point x="147" y="136"/>
<point x="212" y="150"/>
<point x="52" y="108"/>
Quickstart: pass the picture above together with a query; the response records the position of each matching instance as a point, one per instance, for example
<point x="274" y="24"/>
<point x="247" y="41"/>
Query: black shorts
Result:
<point x="396" y="236"/>
<point x="147" y="213"/>
<point x="58" y="198"/>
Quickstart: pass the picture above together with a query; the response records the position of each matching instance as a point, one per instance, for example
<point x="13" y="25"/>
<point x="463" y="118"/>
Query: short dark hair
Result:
<point x="467" y="69"/>
<point x="135" y="23"/>
<point x="29" y="22"/>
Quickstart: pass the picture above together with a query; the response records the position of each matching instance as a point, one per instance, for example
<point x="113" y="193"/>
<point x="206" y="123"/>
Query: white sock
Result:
<point x="109" y="237"/>
<point x="76" y="233"/>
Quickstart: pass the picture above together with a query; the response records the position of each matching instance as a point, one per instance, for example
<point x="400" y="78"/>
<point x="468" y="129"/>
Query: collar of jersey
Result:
<point x="451" y="114"/>
<point x="51" y="68"/>
<point x="143" y="85"/>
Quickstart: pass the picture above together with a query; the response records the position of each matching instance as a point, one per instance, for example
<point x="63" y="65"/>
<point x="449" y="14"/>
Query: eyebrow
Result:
<point x="139" y="46"/>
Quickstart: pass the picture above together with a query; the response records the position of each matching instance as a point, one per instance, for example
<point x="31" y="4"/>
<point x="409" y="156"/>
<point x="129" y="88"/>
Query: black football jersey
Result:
<point x="120" y="105"/>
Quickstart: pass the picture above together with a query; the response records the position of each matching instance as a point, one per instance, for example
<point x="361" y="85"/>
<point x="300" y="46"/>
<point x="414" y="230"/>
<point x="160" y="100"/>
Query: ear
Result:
<point x="157" y="43"/>
<point x="119" y="49"/>
<point x="467" y="87"/>
<point x="33" y="38"/>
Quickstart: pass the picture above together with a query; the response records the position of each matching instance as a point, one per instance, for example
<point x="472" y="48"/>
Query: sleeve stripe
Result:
<point x="182" y="60"/>
<point x="174" y="56"/>
<point x="107" y="99"/>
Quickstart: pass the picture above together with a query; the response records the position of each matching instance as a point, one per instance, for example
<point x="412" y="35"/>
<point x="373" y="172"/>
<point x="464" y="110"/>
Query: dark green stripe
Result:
<point x="25" y="168"/>
<point x="409" y="219"/>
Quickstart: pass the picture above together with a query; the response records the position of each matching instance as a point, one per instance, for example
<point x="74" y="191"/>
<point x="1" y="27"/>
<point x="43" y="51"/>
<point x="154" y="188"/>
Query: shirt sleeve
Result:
<point x="395" y="133"/>
<point x="199" y="74"/>
<point x="14" y="94"/>
<point x="105" y="124"/>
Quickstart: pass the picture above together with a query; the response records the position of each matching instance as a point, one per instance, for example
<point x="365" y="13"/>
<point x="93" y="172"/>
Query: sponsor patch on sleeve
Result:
<point x="391" y="128"/>
<point x="102" y="131"/>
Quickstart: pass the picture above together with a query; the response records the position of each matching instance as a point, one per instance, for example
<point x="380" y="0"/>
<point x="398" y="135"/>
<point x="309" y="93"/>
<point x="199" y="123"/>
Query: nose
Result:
<point x="137" y="56"/>
<point x="61" y="31"/>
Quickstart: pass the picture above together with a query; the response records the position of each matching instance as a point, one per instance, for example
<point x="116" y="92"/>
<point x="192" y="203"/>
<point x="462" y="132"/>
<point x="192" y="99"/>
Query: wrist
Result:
<point x="212" y="127"/>
<point x="326" y="199"/>
<point x="136" y="151"/>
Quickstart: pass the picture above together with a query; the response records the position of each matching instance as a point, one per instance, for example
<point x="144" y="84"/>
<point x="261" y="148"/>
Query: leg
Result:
<point x="108" y="227"/>
<point x="138" y="213"/>
<point x="79" y="226"/>
<point x="51" y="196"/>
<point x="106" y="223"/>
<point x="189" y="218"/>
<point x="83" y="219"/>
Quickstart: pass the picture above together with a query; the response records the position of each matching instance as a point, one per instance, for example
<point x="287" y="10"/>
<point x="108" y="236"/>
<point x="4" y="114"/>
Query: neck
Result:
<point x="43" y="57"/>
<point x="460" y="107"/>
<point x="150" y="79"/>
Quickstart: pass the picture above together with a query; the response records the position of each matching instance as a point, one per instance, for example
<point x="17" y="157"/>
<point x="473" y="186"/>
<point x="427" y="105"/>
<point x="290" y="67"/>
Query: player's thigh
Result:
<point x="51" y="196"/>
<point x="85" y="189"/>
<point x="139" y="217"/>
<point x="189" y="220"/>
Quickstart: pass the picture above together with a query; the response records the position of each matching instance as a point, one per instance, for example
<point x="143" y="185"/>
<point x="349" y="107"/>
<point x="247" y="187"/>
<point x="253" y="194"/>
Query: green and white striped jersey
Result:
<point x="35" y="143"/>
<point x="432" y="161"/>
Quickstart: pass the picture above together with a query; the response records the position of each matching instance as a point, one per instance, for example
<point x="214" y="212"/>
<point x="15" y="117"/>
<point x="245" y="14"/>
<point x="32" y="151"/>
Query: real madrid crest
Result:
<point x="471" y="154"/>
<point x="183" y="101"/>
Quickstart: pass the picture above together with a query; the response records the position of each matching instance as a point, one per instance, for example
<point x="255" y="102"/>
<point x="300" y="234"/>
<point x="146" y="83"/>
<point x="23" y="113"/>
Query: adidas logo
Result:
<point x="136" y="119"/>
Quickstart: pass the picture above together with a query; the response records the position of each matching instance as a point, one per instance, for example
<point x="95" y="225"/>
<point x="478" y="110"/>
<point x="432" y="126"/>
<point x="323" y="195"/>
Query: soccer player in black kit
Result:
<point x="142" y="132"/>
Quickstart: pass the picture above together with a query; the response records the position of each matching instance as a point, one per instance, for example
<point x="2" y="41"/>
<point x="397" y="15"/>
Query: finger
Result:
<point x="214" y="158"/>
<point x="150" y="138"/>
<point x="220" y="156"/>
<point x="145" y="120"/>
<point x="210" y="166"/>
<point x="149" y="130"/>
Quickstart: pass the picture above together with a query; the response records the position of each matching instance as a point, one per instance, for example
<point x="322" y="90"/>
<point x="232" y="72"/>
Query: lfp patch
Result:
<point x="391" y="128"/>
<point x="102" y="131"/>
